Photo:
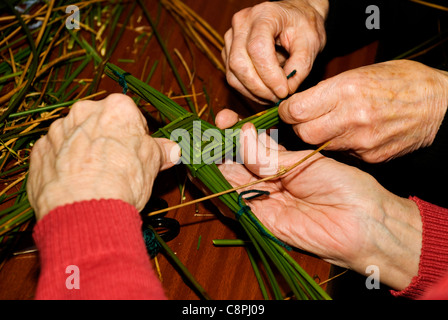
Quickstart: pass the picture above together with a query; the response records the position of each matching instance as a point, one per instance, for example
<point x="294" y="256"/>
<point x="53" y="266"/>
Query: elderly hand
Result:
<point x="333" y="210"/>
<point x="100" y="150"/>
<point x="254" y="66"/>
<point x="378" y="112"/>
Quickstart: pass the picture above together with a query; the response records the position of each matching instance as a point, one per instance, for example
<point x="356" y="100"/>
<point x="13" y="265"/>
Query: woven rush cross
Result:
<point x="270" y="250"/>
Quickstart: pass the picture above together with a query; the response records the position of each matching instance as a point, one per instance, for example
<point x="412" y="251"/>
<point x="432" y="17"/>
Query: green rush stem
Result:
<point x="9" y="76"/>
<point x="148" y="79"/>
<point x="304" y="274"/>
<point x="168" y="56"/>
<point x="211" y="181"/>
<point x="13" y="170"/>
<point x="229" y="242"/>
<point x="120" y="32"/>
<point x="254" y="238"/>
<point x="301" y="284"/>
<point x="159" y="11"/>
<point x="275" y="258"/>
<point x="183" y="269"/>
<point x="126" y="60"/>
<point x="257" y="274"/>
<point x="42" y="109"/>
<point x="19" y="135"/>
<point x="6" y="196"/>
<point x="149" y="94"/>
<point x="69" y="80"/>
<point x="15" y="103"/>
<point x="17" y="221"/>
<point x="7" y="211"/>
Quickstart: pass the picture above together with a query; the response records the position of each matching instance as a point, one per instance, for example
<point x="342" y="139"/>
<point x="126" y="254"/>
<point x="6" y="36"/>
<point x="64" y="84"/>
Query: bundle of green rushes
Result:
<point x="270" y="251"/>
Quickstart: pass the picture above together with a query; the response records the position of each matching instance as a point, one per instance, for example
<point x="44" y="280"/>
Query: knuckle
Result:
<point x="80" y="106"/>
<point x="296" y="112"/>
<point x="231" y="79"/>
<point x="55" y="126"/>
<point x="305" y="133"/>
<point x="237" y="63"/>
<point x="367" y="144"/>
<point x="40" y="149"/>
<point x="364" y="117"/>
<point x="350" y="87"/>
<point x="240" y="17"/>
<point x="119" y="101"/>
<point x="374" y="156"/>
<point x="38" y="146"/>
<point x="120" y="108"/>
<point x="256" y="46"/>
<point x="228" y="35"/>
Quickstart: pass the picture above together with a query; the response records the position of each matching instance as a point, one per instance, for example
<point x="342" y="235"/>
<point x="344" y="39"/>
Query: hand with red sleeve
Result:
<point x="101" y="150"/>
<point x="89" y="178"/>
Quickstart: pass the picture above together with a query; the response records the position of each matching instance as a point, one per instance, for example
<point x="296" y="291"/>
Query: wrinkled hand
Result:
<point x="333" y="210"/>
<point x="378" y="112"/>
<point x="254" y="66"/>
<point x="100" y="150"/>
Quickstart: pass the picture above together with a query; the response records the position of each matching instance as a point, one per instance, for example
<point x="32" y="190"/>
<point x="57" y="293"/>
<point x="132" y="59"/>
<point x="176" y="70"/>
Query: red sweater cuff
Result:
<point x="103" y="240"/>
<point x="434" y="254"/>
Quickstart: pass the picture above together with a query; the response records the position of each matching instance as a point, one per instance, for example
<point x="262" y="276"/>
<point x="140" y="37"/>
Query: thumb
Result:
<point x="170" y="153"/>
<point x="257" y="158"/>
<point x="226" y="118"/>
<point x="309" y="104"/>
<point x="263" y="161"/>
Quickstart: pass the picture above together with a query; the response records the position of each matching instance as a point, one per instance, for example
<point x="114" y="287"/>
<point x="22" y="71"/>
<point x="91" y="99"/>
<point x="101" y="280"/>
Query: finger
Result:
<point x="265" y="162"/>
<point x="269" y="142"/>
<point x="56" y="134"/>
<point x="227" y="44"/>
<point x="257" y="158"/>
<point x="309" y="104"/>
<point x="120" y="111"/>
<point x="261" y="50"/>
<point x="241" y="88"/>
<point x="301" y="62"/>
<point x="303" y="49"/>
<point x="170" y="153"/>
<point x="38" y="155"/>
<point x="230" y="76"/>
<point x="80" y="111"/>
<point x="241" y="70"/>
<point x="332" y="126"/>
<point x="236" y="174"/>
<point x="226" y="118"/>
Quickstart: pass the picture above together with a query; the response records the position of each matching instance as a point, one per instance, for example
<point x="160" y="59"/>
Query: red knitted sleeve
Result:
<point x="434" y="255"/>
<point x="94" y="250"/>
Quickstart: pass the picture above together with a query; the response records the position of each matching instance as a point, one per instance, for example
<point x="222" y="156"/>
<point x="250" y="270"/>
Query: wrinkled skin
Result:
<point x="255" y="66"/>
<point x="334" y="211"/>
<point x="378" y="112"/>
<point x="101" y="150"/>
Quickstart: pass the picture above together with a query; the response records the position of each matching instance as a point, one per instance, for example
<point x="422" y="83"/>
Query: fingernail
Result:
<point x="281" y="92"/>
<point x="173" y="151"/>
<point x="252" y="132"/>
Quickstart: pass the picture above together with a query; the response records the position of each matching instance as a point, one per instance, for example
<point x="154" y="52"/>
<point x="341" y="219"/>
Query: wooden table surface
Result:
<point x="224" y="272"/>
